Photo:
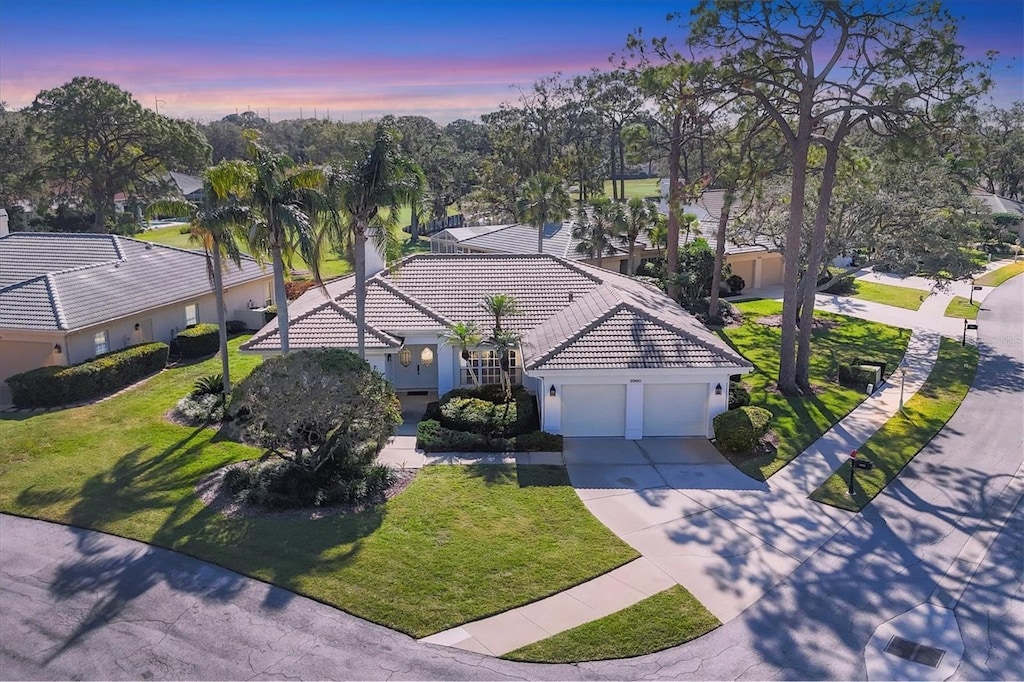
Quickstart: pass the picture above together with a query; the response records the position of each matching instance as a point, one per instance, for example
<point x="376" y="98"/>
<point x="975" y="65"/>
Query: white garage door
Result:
<point x="675" y="409"/>
<point x="594" y="410"/>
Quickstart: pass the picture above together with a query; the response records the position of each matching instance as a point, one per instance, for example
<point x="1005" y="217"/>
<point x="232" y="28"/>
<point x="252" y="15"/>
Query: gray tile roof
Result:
<point x="998" y="204"/>
<point x="57" y="281"/>
<point x="615" y="320"/>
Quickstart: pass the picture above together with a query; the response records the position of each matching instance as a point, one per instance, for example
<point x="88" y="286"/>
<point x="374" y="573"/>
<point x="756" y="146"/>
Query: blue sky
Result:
<point x="361" y="59"/>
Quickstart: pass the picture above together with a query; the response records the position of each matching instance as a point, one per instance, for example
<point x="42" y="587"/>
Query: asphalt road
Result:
<point x="76" y="604"/>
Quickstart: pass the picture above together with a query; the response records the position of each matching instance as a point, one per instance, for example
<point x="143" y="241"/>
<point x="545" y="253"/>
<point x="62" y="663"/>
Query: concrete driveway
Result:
<point x="680" y="504"/>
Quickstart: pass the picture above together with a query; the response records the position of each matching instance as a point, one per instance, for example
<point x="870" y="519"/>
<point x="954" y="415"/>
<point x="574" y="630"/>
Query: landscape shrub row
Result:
<point x="58" y="385"/>
<point x="198" y="340"/>
<point x="741" y="429"/>
<point x="432" y="437"/>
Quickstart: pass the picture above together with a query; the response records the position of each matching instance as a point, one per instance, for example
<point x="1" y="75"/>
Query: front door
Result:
<point x="415" y="367"/>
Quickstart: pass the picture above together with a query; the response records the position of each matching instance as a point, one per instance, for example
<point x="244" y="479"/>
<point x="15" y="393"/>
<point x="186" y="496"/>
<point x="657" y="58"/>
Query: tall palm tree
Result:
<point x="641" y="217"/>
<point x="544" y="200"/>
<point x="597" y="227"/>
<point x="657" y="234"/>
<point x="500" y="305"/>
<point x="463" y="335"/>
<point x="282" y="197"/>
<point x="367" y="200"/>
<point x="213" y="225"/>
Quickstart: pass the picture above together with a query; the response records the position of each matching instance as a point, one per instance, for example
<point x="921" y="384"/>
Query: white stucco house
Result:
<point x="605" y="355"/>
<point x="65" y="298"/>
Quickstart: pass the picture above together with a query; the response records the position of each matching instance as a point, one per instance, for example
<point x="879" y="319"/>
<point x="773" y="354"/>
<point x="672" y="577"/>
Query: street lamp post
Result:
<point x="903" y="380"/>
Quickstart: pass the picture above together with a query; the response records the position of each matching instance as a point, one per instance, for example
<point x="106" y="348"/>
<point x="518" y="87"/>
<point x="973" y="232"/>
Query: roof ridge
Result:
<point x="381" y="335"/>
<point x="58" y="307"/>
<point x="394" y="289"/>
<point x="564" y="343"/>
<point x="192" y="252"/>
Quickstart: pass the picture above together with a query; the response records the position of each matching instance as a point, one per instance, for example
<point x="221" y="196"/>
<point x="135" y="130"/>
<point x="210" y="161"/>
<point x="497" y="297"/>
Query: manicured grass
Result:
<point x="332" y="266"/>
<point x="997" y="277"/>
<point x="903" y="436"/>
<point x="962" y="307"/>
<point x="800" y="421"/>
<point x="459" y="544"/>
<point x="647" y="187"/>
<point x="900" y="297"/>
<point x="667" y="619"/>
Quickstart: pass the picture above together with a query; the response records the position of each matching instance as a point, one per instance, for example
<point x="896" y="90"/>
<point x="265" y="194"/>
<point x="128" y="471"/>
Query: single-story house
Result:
<point x="1003" y="205"/>
<point x="606" y="355"/>
<point x="758" y="263"/>
<point x="65" y="298"/>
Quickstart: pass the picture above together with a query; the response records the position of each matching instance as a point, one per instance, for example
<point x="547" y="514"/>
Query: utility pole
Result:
<point x="157" y="101"/>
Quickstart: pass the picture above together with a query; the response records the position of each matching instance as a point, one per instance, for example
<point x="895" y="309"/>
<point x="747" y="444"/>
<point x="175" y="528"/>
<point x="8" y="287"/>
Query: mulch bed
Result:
<point x="818" y="324"/>
<point x="217" y="498"/>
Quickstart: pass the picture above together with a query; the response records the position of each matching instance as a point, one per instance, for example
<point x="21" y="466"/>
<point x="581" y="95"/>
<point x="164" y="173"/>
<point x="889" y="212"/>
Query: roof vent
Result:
<point x="148" y="246"/>
<point x="570" y="297"/>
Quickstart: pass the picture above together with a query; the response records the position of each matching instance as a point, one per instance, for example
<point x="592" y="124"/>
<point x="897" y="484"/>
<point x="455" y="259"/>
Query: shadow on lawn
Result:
<point x="152" y="498"/>
<point x="525" y="476"/>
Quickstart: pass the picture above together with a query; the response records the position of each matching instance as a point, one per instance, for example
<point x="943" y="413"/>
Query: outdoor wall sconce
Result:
<point x="718" y="389"/>
<point x="57" y="349"/>
<point x="552" y="392"/>
<point x="138" y="326"/>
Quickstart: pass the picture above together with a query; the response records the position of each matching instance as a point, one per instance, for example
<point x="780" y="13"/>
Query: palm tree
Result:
<point x="505" y="341"/>
<point x="657" y="234"/>
<point x="366" y="203"/>
<point x="597" y="226"/>
<point x="641" y="216"/>
<point x="282" y="198"/>
<point x="462" y="335"/>
<point x="544" y="200"/>
<point x="500" y="305"/>
<point x="213" y="225"/>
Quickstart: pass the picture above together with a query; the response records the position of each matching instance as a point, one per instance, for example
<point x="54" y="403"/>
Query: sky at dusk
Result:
<point x="442" y="59"/>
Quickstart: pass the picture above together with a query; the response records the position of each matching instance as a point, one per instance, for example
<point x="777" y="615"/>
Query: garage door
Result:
<point x="594" y="410"/>
<point x="675" y="409"/>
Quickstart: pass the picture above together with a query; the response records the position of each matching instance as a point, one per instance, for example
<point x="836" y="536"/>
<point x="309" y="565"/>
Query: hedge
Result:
<point x="483" y="410"/>
<point x="198" y="340"/>
<point x="432" y="437"/>
<point x="105" y="374"/>
<point x="740" y="430"/>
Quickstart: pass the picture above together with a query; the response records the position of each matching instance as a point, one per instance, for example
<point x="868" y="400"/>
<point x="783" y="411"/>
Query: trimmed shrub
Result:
<point x="483" y="410"/>
<point x="105" y="374"/>
<point x="200" y="408"/>
<point x="739" y="396"/>
<point x="842" y="287"/>
<point x="432" y="437"/>
<point x="741" y="429"/>
<point x="735" y="283"/>
<point x="857" y="376"/>
<point x="199" y="340"/>
<point x="280" y="484"/>
<point x="236" y="327"/>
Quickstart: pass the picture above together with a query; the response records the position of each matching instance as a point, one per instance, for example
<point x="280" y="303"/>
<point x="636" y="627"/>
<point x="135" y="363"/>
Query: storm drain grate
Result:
<point x="914" y="651"/>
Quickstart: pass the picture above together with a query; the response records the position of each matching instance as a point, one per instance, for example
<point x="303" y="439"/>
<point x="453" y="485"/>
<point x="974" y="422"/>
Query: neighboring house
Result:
<point x="65" y="298"/>
<point x="190" y="187"/>
<point x="998" y="204"/>
<point x="759" y="264"/>
<point x="606" y="355"/>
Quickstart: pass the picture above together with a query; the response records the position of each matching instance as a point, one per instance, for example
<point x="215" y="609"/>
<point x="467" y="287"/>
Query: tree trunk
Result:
<point x="631" y="258"/>
<point x="280" y="295"/>
<point x="810" y="280"/>
<point x="540" y="235"/>
<point x="716" y="276"/>
<point x="790" y="296"/>
<point x="672" y="238"/>
<point x="414" y="226"/>
<point x="622" y="166"/>
<point x="99" y="223"/>
<point x="611" y="165"/>
<point x="222" y="324"/>
<point x="360" y="258"/>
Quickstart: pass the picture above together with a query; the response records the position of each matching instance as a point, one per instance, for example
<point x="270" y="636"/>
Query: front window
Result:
<point x="191" y="314"/>
<point x="488" y="369"/>
<point x="101" y="343"/>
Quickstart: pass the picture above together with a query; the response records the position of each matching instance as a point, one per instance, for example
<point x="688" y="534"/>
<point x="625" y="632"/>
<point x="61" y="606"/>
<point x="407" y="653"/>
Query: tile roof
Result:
<point x="615" y="320"/>
<point x="59" y="281"/>
<point x="998" y="204"/>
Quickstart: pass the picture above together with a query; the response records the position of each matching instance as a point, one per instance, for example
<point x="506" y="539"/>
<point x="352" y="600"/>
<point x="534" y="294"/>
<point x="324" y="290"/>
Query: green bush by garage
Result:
<point x="479" y="420"/>
<point x="741" y="429"/>
<point x="105" y="374"/>
<point x="198" y="340"/>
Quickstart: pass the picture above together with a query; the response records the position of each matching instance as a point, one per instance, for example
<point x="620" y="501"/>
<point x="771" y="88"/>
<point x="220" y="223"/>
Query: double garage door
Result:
<point x="600" y="410"/>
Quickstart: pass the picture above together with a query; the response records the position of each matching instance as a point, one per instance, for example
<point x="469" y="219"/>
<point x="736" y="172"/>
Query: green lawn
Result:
<point x="667" y="619"/>
<point x="647" y="187"/>
<point x="900" y="297"/>
<point x="997" y="277"/>
<point x="962" y="308"/>
<point x="800" y="421"/>
<point x="460" y="543"/>
<point x="903" y="436"/>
